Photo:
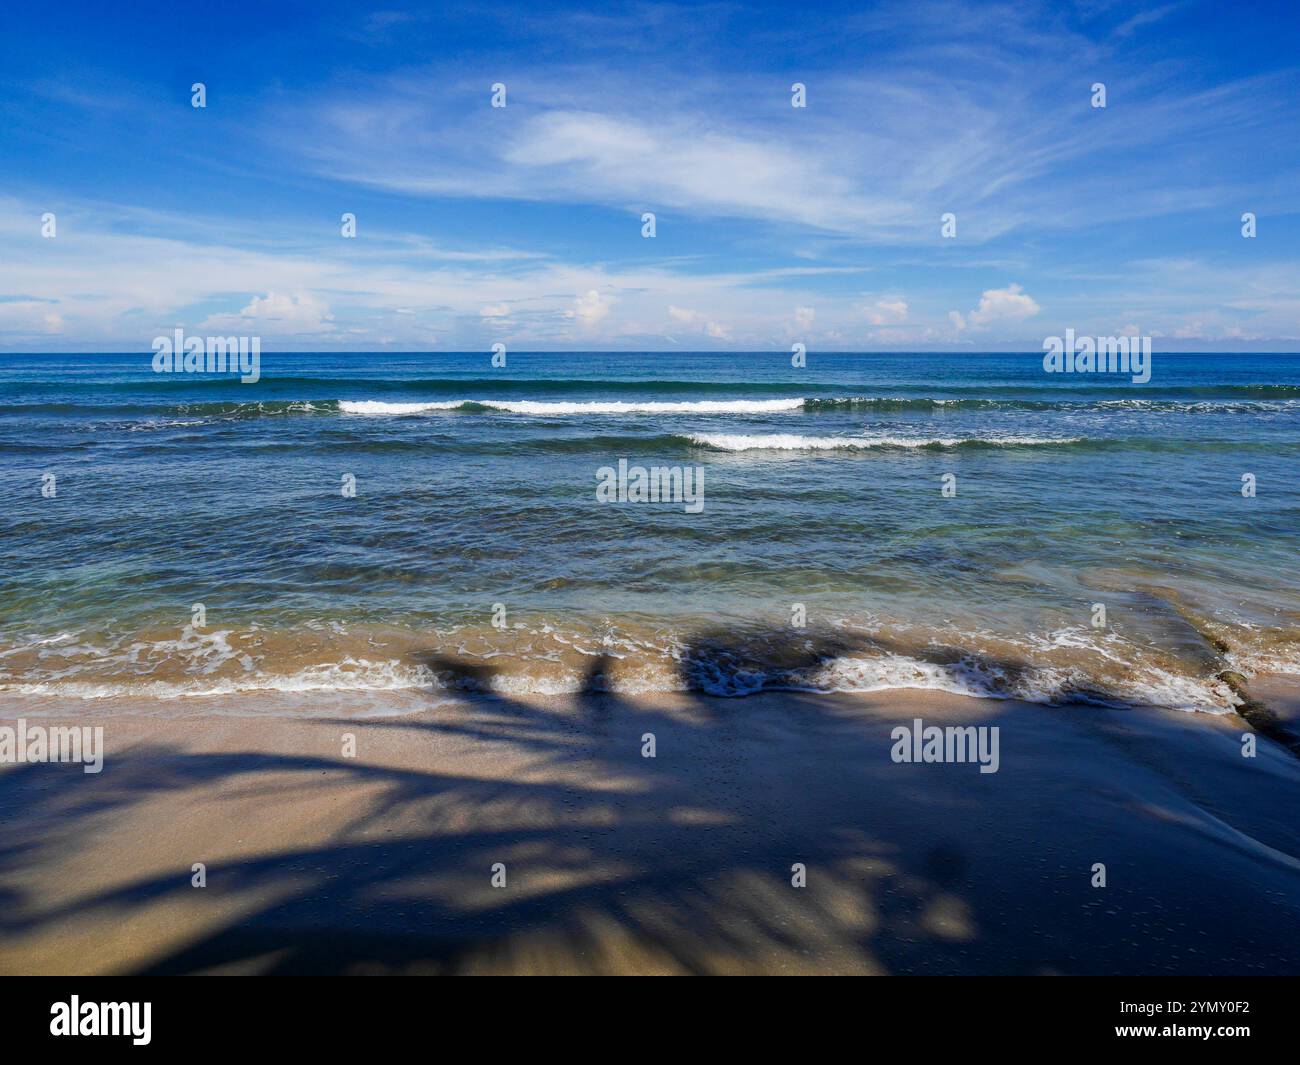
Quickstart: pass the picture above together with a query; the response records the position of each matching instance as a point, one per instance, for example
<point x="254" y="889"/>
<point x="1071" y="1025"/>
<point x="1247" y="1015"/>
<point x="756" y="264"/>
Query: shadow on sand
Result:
<point x="682" y="862"/>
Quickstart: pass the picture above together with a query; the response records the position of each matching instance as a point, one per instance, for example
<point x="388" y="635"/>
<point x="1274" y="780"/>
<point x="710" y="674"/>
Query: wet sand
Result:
<point x="383" y="862"/>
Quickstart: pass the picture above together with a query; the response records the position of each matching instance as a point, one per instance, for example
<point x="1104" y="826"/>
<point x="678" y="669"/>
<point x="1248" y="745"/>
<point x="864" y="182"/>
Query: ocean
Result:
<point x="368" y="531"/>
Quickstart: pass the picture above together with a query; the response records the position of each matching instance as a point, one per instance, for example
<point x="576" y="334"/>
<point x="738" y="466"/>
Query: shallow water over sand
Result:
<point x="825" y="556"/>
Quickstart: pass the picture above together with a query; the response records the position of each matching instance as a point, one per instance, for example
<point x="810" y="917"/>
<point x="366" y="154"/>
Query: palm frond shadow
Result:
<point x="681" y="862"/>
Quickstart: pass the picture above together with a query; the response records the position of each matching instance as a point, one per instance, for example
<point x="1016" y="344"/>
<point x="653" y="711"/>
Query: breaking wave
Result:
<point x="543" y="407"/>
<point x="795" y="442"/>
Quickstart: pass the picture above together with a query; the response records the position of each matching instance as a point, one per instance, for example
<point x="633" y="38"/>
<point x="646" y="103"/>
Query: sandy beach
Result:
<point x="320" y="861"/>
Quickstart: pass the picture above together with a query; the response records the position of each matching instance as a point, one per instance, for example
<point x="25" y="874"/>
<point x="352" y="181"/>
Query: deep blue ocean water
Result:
<point x="825" y="555"/>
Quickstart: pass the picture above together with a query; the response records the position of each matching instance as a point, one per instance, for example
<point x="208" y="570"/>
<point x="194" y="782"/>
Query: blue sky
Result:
<point x="774" y="224"/>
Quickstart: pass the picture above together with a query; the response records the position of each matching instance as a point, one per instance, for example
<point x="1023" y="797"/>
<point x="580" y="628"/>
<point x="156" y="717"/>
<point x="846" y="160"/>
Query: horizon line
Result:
<point x="651" y="351"/>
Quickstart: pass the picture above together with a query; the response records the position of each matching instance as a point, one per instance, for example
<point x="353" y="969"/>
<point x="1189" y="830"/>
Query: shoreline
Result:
<point x="320" y="862"/>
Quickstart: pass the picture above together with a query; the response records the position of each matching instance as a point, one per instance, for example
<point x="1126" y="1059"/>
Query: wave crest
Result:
<point x="796" y="442"/>
<point x="547" y="408"/>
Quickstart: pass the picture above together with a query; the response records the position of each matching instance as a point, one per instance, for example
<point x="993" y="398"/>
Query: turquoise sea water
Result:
<point x="826" y="554"/>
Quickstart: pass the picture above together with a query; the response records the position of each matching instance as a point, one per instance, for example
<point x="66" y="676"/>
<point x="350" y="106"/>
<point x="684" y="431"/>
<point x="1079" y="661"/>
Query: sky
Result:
<point x="773" y="224"/>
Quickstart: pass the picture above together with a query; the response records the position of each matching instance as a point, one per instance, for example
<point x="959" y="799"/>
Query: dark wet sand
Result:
<point x="318" y="862"/>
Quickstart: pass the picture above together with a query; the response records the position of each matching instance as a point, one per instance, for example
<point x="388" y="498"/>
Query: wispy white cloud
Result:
<point x="817" y="224"/>
<point x="96" y="287"/>
<point x="993" y="134"/>
<point x="887" y="311"/>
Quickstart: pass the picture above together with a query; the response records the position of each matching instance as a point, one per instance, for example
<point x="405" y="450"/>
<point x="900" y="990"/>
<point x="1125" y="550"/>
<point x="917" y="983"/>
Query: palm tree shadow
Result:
<point x="609" y="858"/>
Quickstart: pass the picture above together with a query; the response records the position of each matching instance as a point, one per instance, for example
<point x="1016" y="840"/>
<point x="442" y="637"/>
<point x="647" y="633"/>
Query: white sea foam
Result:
<point x="796" y="442"/>
<point x="376" y="407"/>
<point x="546" y="408"/>
<point x="857" y="673"/>
<point x="349" y="675"/>
<point x="552" y="662"/>
<point x="974" y="678"/>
